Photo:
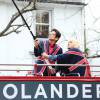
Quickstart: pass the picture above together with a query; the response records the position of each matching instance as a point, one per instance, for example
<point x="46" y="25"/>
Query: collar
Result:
<point x="51" y="45"/>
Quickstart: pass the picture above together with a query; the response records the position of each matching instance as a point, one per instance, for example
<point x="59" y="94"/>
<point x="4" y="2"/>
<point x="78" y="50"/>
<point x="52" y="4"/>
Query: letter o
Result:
<point x="6" y="95"/>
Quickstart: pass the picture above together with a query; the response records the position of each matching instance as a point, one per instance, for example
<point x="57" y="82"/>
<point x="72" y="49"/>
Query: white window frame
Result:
<point x="50" y="19"/>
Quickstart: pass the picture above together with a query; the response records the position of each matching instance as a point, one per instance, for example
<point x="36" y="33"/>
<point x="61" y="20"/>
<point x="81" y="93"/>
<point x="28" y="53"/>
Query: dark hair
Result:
<point x="58" y="34"/>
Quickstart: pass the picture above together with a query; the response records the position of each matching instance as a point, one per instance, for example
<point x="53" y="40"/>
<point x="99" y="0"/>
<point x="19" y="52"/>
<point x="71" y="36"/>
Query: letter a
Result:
<point x="40" y="91"/>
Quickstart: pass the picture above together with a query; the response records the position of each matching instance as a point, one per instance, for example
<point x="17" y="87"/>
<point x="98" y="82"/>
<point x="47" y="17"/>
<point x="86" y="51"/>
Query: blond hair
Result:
<point x="75" y="43"/>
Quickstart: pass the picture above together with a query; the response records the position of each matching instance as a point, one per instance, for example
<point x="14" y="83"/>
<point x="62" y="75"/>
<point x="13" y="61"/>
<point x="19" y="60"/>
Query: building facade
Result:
<point x="66" y="16"/>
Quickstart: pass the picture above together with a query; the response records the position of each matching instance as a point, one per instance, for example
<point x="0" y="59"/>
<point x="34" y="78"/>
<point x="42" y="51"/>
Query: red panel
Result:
<point x="38" y="78"/>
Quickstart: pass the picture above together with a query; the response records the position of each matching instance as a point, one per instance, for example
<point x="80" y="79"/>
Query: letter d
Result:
<point x="69" y="94"/>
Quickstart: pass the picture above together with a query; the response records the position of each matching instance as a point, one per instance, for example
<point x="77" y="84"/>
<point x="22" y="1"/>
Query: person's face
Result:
<point x="52" y="37"/>
<point x="70" y="44"/>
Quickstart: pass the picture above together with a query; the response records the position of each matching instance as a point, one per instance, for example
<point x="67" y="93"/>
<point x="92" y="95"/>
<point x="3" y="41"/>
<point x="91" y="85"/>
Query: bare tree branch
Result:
<point x="91" y="29"/>
<point x="14" y="30"/>
<point x="95" y="56"/>
<point x="95" y="40"/>
<point x="6" y="31"/>
<point x="96" y="20"/>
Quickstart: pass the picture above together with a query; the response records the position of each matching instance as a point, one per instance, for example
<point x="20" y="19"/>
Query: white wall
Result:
<point x="69" y="21"/>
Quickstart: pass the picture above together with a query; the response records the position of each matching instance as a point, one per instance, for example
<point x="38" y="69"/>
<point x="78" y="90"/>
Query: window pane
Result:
<point x="42" y="31"/>
<point x="42" y="17"/>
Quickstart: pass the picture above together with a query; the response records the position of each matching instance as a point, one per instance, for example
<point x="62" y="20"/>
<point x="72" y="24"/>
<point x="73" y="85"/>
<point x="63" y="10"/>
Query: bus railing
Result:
<point x="49" y="65"/>
<point x="95" y="71"/>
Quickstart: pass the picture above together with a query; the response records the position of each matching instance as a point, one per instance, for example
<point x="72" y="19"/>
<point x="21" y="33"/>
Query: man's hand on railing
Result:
<point x="51" y="70"/>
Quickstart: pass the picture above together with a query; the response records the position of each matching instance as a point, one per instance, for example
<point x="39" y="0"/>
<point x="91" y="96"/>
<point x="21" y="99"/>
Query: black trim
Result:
<point x="58" y="2"/>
